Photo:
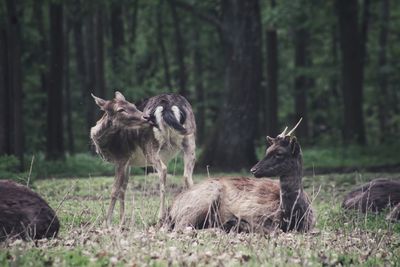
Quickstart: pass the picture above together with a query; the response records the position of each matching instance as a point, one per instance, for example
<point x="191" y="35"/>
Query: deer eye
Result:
<point x="121" y="110"/>
<point x="278" y="155"/>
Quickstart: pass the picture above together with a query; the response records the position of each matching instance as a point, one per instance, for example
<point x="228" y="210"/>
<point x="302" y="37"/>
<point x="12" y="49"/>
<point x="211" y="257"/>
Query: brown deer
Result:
<point x="24" y="214"/>
<point x="375" y="196"/>
<point x="249" y="204"/>
<point x="150" y="133"/>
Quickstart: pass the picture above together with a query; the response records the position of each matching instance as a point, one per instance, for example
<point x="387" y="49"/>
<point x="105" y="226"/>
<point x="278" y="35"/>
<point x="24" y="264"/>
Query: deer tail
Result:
<point x="175" y="117"/>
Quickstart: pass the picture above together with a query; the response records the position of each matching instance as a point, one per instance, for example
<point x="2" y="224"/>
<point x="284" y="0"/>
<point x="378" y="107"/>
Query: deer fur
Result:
<point x="375" y="196"/>
<point x="24" y="214"/>
<point x="150" y="133"/>
<point x="250" y="204"/>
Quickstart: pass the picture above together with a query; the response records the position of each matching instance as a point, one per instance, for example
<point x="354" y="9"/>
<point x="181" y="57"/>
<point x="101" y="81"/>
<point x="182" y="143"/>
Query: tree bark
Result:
<point x="99" y="55"/>
<point x="230" y="147"/>
<point x="301" y="82"/>
<point x="179" y="49"/>
<point x="271" y="108"/>
<point x="160" y="40"/>
<point x="55" y="131"/>
<point x="352" y="71"/>
<point x="3" y="93"/>
<point x="382" y="72"/>
<point x="13" y="82"/>
<point x="91" y="61"/>
<point x="198" y="83"/>
<point x="117" y="34"/>
<point x="67" y="89"/>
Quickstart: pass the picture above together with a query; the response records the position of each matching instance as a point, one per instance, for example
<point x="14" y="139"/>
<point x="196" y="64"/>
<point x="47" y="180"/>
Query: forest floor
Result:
<point x="340" y="238"/>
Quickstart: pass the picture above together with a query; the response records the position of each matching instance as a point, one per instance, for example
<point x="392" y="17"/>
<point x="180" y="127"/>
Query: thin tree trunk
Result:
<point x="99" y="55"/>
<point x="301" y="82"/>
<point x="117" y="34"/>
<point x="3" y="94"/>
<point x="230" y="146"/>
<point x="198" y="83"/>
<point x="179" y="49"/>
<point x="55" y="131"/>
<point x="68" y="109"/>
<point x="13" y="82"/>
<point x="160" y="40"/>
<point x="271" y="108"/>
<point x="81" y="63"/>
<point x="382" y="72"/>
<point x="352" y="69"/>
<point x="91" y="61"/>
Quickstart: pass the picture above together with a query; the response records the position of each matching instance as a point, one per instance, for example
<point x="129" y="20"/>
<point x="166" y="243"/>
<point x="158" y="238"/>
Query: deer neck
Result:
<point x="291" y="183"/>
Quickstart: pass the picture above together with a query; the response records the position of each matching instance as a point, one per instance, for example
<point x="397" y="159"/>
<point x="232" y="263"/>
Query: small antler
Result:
<point x="294" y="128"/>
<point x="282" y="134"/>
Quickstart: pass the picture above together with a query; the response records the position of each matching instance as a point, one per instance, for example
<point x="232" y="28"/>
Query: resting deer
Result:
<point x="249" y="204"/>
<point x="25" y="214"/>
<point x="376" y="196"/>
<point x="150" y="133"/>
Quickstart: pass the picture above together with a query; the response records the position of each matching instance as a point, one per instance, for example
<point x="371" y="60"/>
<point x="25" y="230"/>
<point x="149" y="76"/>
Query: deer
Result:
<point x="375" y="196"/>
<point x="25" y="214"/>
<point x="246" y="204"/>
<point x="150" y="133"/>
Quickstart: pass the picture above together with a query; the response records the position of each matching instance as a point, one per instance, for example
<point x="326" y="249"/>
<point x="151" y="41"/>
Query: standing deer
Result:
<point x="376" y="196"/>
<point x="25" y="214"/>
<point x="249" y="204"/>
<point x="150" y="133"/>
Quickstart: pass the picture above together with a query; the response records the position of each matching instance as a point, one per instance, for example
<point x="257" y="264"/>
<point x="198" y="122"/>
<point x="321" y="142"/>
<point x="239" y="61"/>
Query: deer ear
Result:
<point x="99" y="101"/>
<point x="294" y="146"/>
<point x="270" y="140"/>
<point x="119" y="96"/>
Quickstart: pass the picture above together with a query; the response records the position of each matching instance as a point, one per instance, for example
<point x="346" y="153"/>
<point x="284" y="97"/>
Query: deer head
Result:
<point x="282" y="157"/>
<point x="122" y="113"/>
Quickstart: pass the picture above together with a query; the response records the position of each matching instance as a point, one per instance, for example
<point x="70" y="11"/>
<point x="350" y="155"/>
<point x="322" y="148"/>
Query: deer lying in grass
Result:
<point x="150" y="133"/>
<point x="376" y="196"/>
<point x="24" y="214"/>
<point x="249" y="204"/>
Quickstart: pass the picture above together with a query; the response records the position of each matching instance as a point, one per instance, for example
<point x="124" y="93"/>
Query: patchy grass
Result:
<point x="339" y="238"/>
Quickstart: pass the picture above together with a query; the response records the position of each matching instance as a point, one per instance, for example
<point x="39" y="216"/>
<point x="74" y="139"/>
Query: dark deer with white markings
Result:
<point x="150" y="133"/>
<point x="249" y="204"/>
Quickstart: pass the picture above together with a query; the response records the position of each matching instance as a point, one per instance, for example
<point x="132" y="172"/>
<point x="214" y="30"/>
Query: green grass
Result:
<point x="340" y="238"/>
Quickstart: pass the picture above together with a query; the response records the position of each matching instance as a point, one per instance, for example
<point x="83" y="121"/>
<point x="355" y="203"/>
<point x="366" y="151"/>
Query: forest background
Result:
<point x="249" y="68"/>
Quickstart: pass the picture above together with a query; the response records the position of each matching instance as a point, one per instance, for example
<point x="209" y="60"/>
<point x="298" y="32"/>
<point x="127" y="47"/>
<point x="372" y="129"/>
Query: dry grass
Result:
<point x="339" y="238"/>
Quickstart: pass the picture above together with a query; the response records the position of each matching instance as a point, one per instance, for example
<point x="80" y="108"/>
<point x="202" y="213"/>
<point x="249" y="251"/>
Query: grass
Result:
<point x="339" y="238"/>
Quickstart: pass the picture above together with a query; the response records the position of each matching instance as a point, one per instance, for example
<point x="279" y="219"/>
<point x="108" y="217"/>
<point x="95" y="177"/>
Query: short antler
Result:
<point x="283" y="134"/>
<point x="294" y="128"/>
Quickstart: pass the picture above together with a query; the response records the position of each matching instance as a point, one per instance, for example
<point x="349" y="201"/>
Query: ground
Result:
<point x="339" y="238"/>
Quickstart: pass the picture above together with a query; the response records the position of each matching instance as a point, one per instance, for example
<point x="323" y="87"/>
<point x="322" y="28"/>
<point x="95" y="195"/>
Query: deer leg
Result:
<point x="118" y="181"/>
<point x="122" y="195"/>
<point x="189" y="158"/>
<point x="162" y="173"/>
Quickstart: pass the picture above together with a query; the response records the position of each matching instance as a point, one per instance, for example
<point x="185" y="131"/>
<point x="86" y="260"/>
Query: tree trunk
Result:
<point x="272" y="79"/>
<point x="198" y="83"/>
<point x="160" y="40"/>
<point x="55" y="131"/>
<point x="352" y="69"/>
<point x="179" y="50"/>
<point x="13" y="82"/>
<point x="382" y="72"/>
<point x="68" y="109"/>
<point x="117" y="34"/>
<point x="3" y="94"/>
<point x="230" y="147"/>
<point x="301" y="82"/>
<point x="91" y="61"/>
<point x="99" y="55"/>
